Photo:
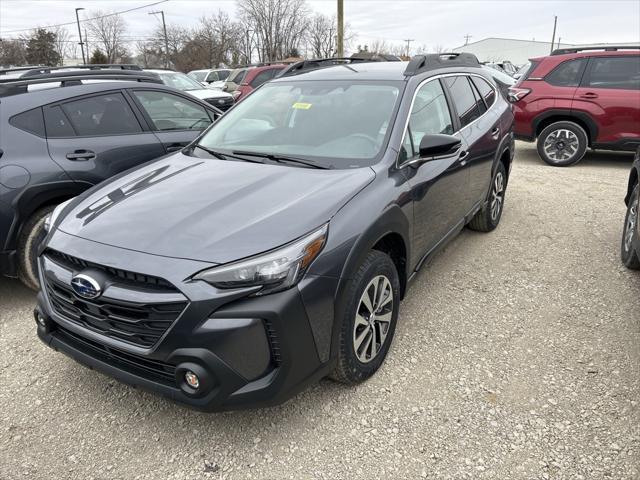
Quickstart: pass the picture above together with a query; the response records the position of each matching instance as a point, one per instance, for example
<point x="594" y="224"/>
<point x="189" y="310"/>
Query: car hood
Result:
<point x="211" y="210"/>
<point x="208" y="93"/>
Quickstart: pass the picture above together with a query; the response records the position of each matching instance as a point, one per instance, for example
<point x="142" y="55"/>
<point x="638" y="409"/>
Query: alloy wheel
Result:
<point x="561" y="145"/>
<point x="497" y="196"/>
<point x="630" y="227"/>
<point x="373" y="319"/>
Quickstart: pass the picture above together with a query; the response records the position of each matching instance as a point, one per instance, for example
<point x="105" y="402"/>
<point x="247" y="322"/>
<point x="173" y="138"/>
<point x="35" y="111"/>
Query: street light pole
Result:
<point x="80" y="35"/>
<point x="166" y="39"/>
<point x="340" y="49"/>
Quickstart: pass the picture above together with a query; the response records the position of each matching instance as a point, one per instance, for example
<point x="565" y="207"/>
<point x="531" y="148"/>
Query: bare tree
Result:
<point x="62" y="43"/>
<point x="280" y="25"/>
<point x="13" y="52"/>
<point x="107" y="31"/>
<point x="177" y="37"/>
<point x="322" y="41"/>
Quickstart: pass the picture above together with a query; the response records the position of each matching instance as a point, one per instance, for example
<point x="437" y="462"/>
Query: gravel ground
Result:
<point x="517" y="356"/>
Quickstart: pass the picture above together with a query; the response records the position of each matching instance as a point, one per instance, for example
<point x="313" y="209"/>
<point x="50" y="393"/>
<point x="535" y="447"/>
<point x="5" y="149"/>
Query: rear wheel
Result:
<point x="489" y="216"/>
<point x="628" y="254"/>
<point x="369" y="321"/>
<point x="30" y="238"/>
<point x="562" y="144"/>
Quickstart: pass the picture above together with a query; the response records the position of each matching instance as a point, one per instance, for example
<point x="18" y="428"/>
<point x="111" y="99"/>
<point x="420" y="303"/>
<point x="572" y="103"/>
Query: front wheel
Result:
<point x="369" y="321"/>
<point x="562" y="144"/>
<point x="628" y="254"/>
<point x="488" y="218"/>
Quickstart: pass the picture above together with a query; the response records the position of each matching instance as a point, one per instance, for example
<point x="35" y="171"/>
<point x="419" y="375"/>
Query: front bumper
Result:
<point x="247" y="351"/>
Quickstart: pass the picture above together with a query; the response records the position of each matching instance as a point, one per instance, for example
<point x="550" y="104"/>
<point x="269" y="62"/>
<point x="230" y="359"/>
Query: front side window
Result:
<point x="464" y="99"/>
<point x="567" y="74"/>
<point x="223" y="74"/>
<point x="615" y="72"/>
<point x="337" y="123"/>
<point x="171" y="112"/>
<point x="429" y="115"/>
<point x="101" y="115"/>
<point x="213" y="77"/>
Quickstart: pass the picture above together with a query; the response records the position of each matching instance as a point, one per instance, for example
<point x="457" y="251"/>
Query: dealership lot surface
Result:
<point x="517" y="355"/>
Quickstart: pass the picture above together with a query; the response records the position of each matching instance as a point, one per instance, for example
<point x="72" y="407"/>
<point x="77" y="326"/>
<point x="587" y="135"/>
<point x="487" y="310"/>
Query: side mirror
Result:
<point x="439" y="145"/>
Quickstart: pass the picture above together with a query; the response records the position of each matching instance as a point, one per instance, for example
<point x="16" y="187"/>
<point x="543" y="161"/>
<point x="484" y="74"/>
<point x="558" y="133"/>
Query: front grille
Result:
<point x="123" y="276"/>
<point x="141" y="366"/>
<point x="141" y="323"/>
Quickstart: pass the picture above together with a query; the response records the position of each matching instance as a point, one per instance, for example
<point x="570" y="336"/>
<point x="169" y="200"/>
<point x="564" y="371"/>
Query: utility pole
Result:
<point x="340" y="49"/>
<point x="84" y="60"/>
<point x="559" y="39"/>
<point x="467" y="37"/>
<point x="166" y="39"/>
<point x="86" y="41"/>
<point x="408" y="40"/>
<point x="553" y="38"/>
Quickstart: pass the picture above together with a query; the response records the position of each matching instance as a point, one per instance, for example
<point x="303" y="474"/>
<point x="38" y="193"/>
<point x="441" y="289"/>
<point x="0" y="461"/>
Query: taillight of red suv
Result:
<point x="517" y="93"/>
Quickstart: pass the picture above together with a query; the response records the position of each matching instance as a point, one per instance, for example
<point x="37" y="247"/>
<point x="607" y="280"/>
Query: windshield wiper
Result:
<point x="223" y="156"/>
<point x="284" y="159"/>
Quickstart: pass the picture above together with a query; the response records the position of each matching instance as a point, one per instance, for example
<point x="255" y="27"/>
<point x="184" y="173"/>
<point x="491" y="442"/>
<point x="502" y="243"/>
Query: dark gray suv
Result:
<point x="64" y="131"/>
<point x="275" y="249"/>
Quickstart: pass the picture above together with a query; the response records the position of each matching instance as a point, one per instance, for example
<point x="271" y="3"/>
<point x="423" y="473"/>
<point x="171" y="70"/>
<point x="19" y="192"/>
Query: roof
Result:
<point x="508" y="40"/>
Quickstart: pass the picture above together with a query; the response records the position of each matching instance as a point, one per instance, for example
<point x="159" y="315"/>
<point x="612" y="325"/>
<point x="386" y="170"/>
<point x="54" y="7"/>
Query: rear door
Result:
<point x="97" y="136"/>
<point x="174" y="119"/>
<point x="610" y="94"/>
<point x="562" y="83"/>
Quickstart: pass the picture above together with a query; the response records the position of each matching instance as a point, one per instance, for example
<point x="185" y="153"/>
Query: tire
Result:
<point x="628" y="255"/>
<point x="488" y="218"/>
<point x="562" y="144"/>
<point x="353" y="365"/>
<point x="29" y="240"/>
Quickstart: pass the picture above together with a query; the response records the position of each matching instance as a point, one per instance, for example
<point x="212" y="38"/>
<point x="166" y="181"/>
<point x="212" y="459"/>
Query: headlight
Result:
<point x="53" y="216"/>
<point x="274" y="271"/>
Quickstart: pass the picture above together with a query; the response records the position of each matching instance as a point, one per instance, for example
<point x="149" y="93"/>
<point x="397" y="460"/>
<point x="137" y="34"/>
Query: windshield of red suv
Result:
<point x="336" y="123"/>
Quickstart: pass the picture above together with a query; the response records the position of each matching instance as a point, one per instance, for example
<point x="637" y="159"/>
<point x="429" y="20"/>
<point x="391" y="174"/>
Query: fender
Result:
<point x="633" y="180"/>
<point x="35" y="197"/>
<point x="507" y="143"/>
<point x="584" y="117"/>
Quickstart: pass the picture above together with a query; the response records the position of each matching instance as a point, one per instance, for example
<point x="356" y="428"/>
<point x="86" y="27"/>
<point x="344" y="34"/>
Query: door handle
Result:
<point x="174" y="147"/>
<point x="81" y="155"/>
<point x="462" y="157"/>
<point x="589" y="95"/>
<point x="495" y="133"/>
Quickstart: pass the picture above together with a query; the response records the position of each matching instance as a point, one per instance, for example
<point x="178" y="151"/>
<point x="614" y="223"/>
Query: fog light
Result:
<point x="192" y="379"/>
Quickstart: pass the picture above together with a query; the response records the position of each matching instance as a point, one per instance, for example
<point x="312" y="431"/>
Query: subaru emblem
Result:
<point x="86" y="286"/>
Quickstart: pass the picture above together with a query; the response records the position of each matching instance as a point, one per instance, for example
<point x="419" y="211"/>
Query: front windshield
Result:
<point x="180" y="81"/>
<point x="336" y="123"/>
<point x="199" y="75"/>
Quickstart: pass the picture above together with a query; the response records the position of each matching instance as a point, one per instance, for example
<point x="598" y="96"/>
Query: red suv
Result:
<point x="254" y="77"/>
<point x="578" y="98"/>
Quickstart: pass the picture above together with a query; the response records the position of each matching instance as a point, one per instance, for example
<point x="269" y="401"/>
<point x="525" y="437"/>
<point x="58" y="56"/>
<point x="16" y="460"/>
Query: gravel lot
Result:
<point x="517" y="356"/>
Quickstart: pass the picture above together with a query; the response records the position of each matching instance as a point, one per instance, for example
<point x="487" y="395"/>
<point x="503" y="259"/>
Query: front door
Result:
<point x="438" y="187"/>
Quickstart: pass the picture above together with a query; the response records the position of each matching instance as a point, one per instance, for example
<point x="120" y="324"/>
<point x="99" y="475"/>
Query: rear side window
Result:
<point x="614" y="72"/>
<point x="567" y="74"/>
<point x="262" y="77"/>
<point x="464" y="99"/>
<point x="30" y="121"/>
<point x="101" y="115"/>
<point x="486" y="91"/>
<point x="58" y="125"/>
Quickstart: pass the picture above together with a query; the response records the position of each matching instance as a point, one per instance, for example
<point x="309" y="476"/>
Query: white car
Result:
<point x="213" y="78"/>
<point x="181" y="81"/>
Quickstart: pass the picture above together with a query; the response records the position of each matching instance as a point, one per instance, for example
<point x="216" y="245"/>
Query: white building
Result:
<point x="517" y="52"/>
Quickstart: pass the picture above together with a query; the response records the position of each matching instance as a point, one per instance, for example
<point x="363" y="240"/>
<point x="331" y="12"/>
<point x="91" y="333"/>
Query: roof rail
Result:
<point x="424" y="63"/>
<point x="316" y="63"/>
<point x="68" y="79"/>
<point x="43" y="70"/>
<point x="4" y="71"/>
<point x="605" y="47"/>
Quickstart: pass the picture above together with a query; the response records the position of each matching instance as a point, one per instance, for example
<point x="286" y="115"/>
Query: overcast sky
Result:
<point x="428" y="22"/>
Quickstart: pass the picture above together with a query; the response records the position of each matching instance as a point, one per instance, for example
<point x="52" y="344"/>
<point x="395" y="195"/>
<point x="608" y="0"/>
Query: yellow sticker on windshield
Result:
<point x="302" y="106"/>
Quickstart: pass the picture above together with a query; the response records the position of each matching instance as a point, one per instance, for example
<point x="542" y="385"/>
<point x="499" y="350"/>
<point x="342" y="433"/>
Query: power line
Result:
<point x="87" y="19"/>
